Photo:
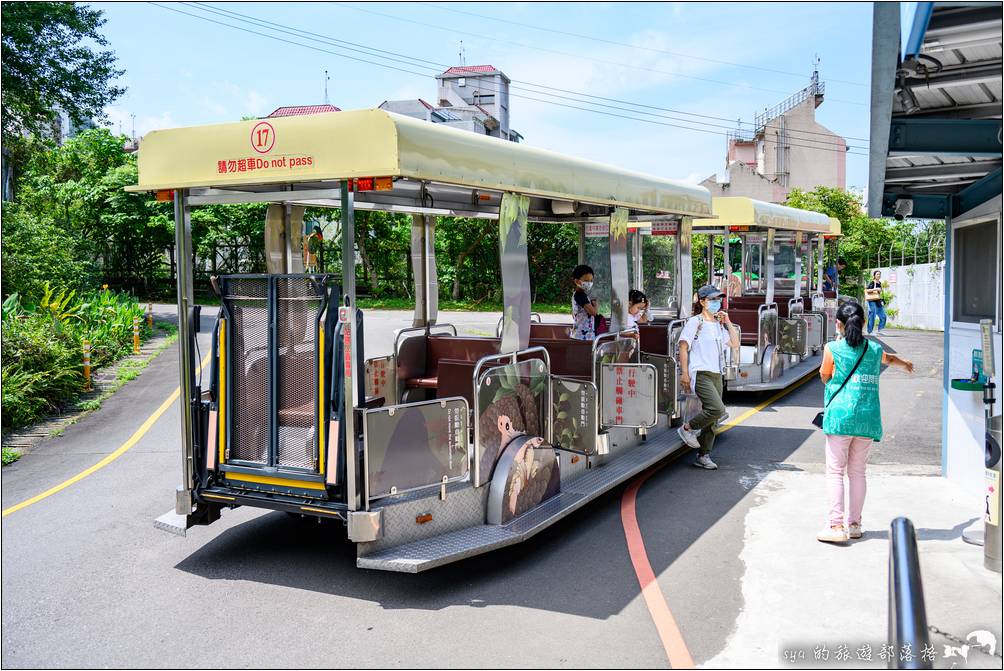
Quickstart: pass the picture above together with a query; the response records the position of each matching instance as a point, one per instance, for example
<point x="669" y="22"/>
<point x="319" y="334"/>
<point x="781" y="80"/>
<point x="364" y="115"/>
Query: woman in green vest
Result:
<point x="853" y="417"/>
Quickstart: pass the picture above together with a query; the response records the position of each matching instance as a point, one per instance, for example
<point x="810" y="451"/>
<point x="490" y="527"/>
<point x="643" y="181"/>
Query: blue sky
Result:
<point x="183" y="71"/>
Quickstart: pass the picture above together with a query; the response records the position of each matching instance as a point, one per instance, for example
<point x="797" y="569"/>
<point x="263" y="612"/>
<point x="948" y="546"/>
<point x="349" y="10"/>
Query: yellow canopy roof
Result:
<point x="737" y="211"/>
<point x="376" y="143"/>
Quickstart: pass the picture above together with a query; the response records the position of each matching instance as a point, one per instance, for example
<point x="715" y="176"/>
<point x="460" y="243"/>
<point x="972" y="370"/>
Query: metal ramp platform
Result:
<point x="431" y="552"/>
<point x="789" y="376"/>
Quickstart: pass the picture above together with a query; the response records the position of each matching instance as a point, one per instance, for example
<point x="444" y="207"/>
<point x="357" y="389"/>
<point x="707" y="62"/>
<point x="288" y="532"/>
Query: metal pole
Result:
<point x="769" y="270"/>
<point x="686" y="267"/>
<point x="907" y="614"/>
<point x="183" y="248"/>
<point x="797" y="289"/>
<point x="347" y="316"/>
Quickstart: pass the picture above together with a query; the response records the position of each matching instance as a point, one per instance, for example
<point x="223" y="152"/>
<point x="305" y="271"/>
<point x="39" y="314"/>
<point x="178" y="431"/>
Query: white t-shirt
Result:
<point x="705" y="352"/>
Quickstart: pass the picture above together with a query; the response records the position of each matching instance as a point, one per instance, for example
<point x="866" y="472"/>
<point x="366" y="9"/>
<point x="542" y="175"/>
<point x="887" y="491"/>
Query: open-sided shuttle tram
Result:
<point x="773" y="277"/>
<point x="451" y="446"/>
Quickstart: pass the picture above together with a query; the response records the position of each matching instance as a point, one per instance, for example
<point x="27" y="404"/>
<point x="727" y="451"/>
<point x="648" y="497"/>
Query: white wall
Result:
<point x="918" y="294"/>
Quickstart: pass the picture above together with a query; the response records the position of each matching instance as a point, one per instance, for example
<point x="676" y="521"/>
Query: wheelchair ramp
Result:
<point x="576" y="492"/>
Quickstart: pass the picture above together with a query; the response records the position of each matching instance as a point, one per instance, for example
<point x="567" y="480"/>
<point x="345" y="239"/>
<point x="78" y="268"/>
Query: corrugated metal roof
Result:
<point x="300" y="110"/>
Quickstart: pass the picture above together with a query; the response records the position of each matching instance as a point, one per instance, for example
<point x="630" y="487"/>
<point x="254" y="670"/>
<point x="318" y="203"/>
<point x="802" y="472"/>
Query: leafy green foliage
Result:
<point x="10" y="456"/>
<point x="49" y="63"/>
<point x="866" y="242"/>
<point x="42" y="362"/>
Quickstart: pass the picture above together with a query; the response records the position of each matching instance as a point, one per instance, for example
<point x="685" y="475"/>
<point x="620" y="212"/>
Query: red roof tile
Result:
<point x="470" y="69"/>
<point x="300" y="110"/>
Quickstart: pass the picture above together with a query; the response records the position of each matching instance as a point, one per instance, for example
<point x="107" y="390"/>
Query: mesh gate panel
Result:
<point x="247" y="300"/>
<point x="298" y="300"/>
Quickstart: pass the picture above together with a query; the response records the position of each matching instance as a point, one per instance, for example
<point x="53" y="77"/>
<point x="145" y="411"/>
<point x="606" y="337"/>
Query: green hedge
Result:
<point x="42" y="347"/>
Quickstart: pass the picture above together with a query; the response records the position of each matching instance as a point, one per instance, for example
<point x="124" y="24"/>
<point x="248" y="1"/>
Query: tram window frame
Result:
<point x="971" y="256"/>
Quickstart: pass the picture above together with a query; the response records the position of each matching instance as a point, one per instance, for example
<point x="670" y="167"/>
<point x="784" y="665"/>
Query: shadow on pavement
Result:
<point x="579" y="566"/>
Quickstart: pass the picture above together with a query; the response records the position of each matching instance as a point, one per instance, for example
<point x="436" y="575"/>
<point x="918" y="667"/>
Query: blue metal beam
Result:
<point x="921" y="17"/>
<point x="925" y="206"/>
<point x="911" y="136"/>
<point x="977" y="193"/>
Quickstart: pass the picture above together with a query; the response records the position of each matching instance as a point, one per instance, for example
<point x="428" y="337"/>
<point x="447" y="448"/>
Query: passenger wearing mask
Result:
<point x="584" y="307"/>
<point x="637" y="312"/>
<point x="852" y="417"/>
<point x="702" y="360"/>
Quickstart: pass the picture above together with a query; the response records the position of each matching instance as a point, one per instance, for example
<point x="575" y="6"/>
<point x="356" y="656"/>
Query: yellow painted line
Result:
<point x="752" y="411"/>
<point x="125" y="447"/>
<point x="219" y="496"/>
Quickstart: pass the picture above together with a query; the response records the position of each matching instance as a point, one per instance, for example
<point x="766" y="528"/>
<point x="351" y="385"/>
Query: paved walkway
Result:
<point x="88" y="581"/>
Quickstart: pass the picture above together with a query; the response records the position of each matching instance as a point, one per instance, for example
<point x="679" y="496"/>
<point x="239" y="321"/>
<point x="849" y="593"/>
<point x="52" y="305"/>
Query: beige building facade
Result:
<point x="786" y="149"/>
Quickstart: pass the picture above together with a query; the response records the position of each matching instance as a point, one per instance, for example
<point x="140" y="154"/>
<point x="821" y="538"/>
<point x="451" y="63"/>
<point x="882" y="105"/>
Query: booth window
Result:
<point x="975" y="258"/>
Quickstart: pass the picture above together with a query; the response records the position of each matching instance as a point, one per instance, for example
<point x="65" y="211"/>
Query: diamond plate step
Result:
<point x="428" y="553"/>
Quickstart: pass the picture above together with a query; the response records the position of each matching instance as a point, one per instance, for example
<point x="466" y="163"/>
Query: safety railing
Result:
<point x="534" y="318"/>
<point x="907" y="615"/>
<point x="416" y="329"/>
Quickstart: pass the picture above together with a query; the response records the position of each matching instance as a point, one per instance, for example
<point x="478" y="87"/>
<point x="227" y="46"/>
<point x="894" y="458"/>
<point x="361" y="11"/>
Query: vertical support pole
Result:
<point x="798" y="264"/>
<point x="822" y="263"/>
<point x="513" y="215"/>
<point x="709" y="253"/>
<point x="135" y="335"/>
<point x="618" y="268"/>
<point x="768" y="268"/>
<point x="183" y="247"/>
<point x="686" y="267"/>
<point x="636" y="259"/>
<point x="582" y="244"/>
<point x="424" y="273"/>
<point x="149" y="314"/>
<point x="347" y="317"/>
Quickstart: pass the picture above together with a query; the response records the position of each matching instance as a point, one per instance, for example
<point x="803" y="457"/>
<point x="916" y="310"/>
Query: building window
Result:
<point x="974" y="281"/>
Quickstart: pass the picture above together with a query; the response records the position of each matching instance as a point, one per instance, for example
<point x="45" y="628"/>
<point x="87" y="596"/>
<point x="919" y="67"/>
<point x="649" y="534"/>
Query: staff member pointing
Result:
<point x="702" y="362"/>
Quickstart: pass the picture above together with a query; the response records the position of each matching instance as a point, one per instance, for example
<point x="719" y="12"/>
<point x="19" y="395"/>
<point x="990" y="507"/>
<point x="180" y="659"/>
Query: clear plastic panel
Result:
<point x="512" y="399"/>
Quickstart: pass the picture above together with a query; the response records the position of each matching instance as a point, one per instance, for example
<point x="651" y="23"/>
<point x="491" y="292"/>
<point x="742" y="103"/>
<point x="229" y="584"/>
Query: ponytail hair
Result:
<point x="852" y="316"/>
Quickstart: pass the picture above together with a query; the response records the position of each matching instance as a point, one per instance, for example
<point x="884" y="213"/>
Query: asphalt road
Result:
<point x="87" y="581"/>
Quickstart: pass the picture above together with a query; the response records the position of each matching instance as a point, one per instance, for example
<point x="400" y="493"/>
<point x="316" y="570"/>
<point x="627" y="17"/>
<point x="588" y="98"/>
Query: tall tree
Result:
<point x="48" y="66"/>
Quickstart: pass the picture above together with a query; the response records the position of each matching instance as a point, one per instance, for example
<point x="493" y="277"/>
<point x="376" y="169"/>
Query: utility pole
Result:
<point x="133" y="116"/>
<point x="326" y="80"/>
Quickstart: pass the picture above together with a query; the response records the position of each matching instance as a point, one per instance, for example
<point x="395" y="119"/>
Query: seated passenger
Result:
<point x="637" y="312"/>
<point x="585" y="312"/>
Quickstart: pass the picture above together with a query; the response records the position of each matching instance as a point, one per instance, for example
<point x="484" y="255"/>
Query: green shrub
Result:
<point x="42" y="346"/>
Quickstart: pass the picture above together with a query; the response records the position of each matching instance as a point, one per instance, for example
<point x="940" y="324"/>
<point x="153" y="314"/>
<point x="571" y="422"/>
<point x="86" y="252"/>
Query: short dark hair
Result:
<point x="580" y="270"/>
<point x="841" y="261"/>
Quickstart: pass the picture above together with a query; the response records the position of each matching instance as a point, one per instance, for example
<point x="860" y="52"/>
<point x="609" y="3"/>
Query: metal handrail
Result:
<point x="513" y="357"/>
<point x="498" y="327"/>
<point x="907" y="615"/>
<point x="410" y="329"/>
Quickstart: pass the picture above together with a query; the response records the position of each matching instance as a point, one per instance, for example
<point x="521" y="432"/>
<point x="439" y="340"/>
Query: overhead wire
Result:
<point x="576" y="56"/>
<point x="593" y="38"/>
<point x="271" y="26"/>
<point x="805" y="135"/>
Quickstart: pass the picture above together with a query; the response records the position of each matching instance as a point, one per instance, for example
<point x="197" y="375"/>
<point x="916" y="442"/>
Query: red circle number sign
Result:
<point x="262" y="137"/>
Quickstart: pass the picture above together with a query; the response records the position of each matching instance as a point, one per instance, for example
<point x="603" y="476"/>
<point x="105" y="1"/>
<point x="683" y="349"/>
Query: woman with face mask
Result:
<point x="703" y="341"/>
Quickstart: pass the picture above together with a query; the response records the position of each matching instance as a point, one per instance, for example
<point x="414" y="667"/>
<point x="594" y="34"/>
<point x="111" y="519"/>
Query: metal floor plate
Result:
<point x="428" y="553"/>
<point x="788" y="376"/>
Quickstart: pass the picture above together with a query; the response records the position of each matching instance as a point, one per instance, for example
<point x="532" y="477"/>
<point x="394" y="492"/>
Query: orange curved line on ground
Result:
<point x="669" y="633"/>
<point x="662" y="617"/>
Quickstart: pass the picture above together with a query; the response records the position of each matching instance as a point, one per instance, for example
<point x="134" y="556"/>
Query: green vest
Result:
<point x="855" y="411"/>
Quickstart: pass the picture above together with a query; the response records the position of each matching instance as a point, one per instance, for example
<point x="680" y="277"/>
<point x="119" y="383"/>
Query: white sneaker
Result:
<point x="689" y="437"/>
<point x="832" y="535"/>
<point x="854" y="531"/>
<point x="704" y="461"/>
